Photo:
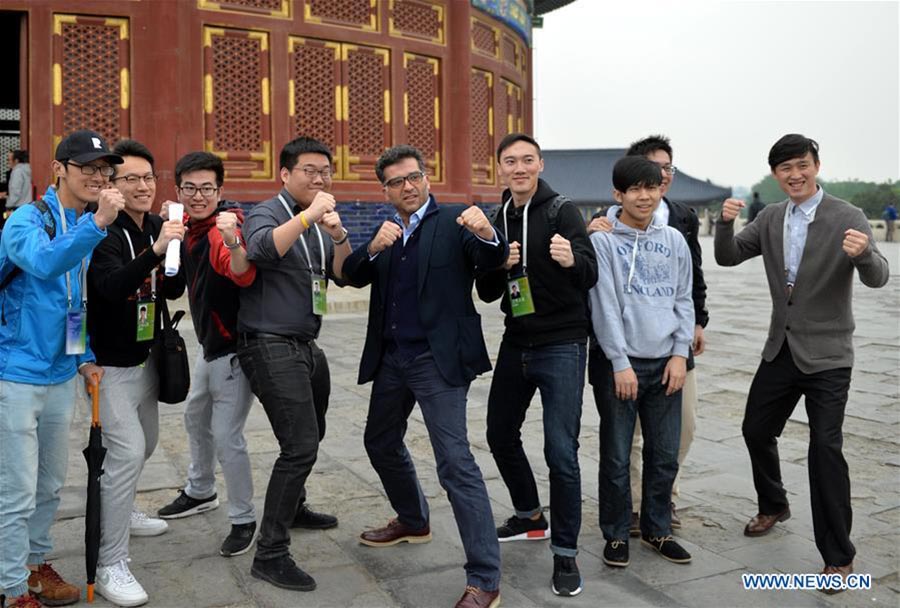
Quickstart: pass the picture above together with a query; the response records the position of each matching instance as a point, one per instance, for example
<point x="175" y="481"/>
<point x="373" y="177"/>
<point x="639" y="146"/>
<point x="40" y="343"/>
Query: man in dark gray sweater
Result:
<point x="810" y="346"/>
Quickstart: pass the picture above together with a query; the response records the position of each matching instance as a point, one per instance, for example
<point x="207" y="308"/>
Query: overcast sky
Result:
<point x="724" y="79"/>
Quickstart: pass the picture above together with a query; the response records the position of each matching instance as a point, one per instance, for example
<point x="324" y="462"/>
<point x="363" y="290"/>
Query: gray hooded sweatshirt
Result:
<point x="641" y="305"/>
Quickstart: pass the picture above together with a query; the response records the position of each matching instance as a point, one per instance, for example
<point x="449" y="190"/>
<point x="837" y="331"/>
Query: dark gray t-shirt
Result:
<point x="280" y="299"/>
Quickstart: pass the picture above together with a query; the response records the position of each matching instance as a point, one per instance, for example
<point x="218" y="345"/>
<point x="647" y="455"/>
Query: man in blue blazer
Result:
<point x="424" y="344"/>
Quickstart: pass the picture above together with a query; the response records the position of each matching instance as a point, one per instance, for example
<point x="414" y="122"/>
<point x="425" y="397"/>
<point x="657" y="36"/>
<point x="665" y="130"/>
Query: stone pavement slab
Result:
<point x="183" y="568"/>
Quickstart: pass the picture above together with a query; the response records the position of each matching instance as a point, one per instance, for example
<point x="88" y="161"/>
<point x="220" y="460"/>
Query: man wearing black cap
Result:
<point x="44" y="253"/>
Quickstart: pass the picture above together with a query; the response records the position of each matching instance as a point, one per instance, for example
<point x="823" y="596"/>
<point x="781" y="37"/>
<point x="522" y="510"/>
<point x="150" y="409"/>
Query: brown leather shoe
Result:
<point x="843" y="571"/>
<point x="393" y="533"/>
<point x="475" y="597"/>
<point x="49" y="587"/>
<point x="762" y="523"/>
<point x="676" y="521"/>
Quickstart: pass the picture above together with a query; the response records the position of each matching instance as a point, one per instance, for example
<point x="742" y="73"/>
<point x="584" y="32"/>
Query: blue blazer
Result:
<point x="449" y="257"/>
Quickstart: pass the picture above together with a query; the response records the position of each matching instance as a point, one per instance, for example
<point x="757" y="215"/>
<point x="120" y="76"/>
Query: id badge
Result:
<point x="319" y="294"/>
<point x="520" y="301"/>
<point x="146" y="317"/>
<point x="76" y="331"/>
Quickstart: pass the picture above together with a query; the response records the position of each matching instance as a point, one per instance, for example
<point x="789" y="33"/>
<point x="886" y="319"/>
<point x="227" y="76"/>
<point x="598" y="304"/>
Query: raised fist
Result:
<point x="226" y="224"/>
<point x="321" y="204"/>
<point x="385" y="237"/>
<point x="108" y="206"/>
<point x="561" y="251"/>
<point x="474" y="220"/>
<point x="731" y="208"/>
<point x="515" y="255"/>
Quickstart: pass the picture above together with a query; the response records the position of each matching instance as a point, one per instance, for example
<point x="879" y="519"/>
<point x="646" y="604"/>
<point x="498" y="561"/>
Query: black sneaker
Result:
<point x="667" y="547"/>
<point x="184" y="506"/>
<point x="283" y="572"/>
<point x="616" y="553"/>
<point x="517" y="528"/>
<point x="634" y="528"/>
<point x="239" y="540"/>
<point x="566" y="577"/>
<point x="309" y="519"/>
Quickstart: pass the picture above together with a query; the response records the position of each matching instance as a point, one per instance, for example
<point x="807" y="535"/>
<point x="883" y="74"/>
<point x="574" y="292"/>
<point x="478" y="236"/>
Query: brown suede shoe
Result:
<point x="475" y="597"/>
<point x="762" y="523"/>
<point x="50" y="588"/>
<point x="393" y="533"/>
<point x="843" y="571"/>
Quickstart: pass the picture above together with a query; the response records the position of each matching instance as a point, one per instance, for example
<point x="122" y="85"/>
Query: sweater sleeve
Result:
<point x="606" y="312"/>
<point x="684" y="303"/>
<point x="113" y="275"/>
<point x="731" y="250"/>
<point x="220" y="260"/>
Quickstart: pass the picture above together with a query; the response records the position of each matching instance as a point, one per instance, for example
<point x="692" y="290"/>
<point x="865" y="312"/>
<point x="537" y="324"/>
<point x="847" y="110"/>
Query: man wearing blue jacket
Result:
<point x="47" y="246"/>
<point x="643" y="318"/>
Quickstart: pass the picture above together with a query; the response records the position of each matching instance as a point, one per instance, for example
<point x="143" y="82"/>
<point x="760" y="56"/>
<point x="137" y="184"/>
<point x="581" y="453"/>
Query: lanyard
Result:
<point x="152" y="272"/>
<point x="524" y="231"/>
<point x="82" y="272"/>
<point x="303" y="240"/>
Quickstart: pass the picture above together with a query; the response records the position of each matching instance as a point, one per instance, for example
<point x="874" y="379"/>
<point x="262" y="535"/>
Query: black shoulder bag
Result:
<point x="170" y="356"/>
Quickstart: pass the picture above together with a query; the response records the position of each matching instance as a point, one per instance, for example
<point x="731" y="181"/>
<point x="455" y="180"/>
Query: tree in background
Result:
<point x="868" y="196"/>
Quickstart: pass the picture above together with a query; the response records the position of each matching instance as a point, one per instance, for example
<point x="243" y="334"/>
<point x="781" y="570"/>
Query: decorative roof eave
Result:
<point x="514" y="13"/>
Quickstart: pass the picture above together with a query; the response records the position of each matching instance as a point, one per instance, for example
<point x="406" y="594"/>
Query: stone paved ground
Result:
<point x="183" y="568"/>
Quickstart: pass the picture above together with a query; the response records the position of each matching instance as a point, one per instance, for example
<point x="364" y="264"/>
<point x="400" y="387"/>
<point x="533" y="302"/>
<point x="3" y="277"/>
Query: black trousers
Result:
<point x="775" y="391"/>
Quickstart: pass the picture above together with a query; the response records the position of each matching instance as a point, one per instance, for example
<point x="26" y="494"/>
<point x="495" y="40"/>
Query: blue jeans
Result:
<point x="399" y="384"/>
<point x="558" y="371"/>
<point x="34" y="436"/>
<point x="661" y="425"/>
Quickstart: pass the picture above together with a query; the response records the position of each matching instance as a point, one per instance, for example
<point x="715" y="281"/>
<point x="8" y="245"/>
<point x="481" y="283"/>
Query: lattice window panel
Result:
<point x="501" y="111"/>
<point x="509" y="51"/>
<point x="91" y="80"/>
<point x="314" y="92"/>
<point x="268" y="8"/>
<point x="422" y="109"/>
<point x="515" y="110"/>
<point x="367" y="109"/>
<point x="236" y="101"/>
<point x="411" y="18"/>
<point x="359" y="14"/>
<point x="482" y="126"/>
<point x="485" y="39"/>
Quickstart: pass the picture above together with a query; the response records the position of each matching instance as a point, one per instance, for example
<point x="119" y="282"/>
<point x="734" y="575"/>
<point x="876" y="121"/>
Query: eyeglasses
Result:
<point x="105" y="170"/>
<point x="189" y="190"/>
<point x="669" y="169"/>
<point x="415" y="178"/>
<point x="133" y="180"/>
<point x="311" y="172"/>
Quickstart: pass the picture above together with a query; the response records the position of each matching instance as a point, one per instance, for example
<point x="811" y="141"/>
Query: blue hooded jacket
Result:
<point x="33" y="306"/>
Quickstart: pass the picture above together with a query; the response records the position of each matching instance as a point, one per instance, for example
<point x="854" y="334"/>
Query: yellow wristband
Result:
<point x="303" y="220"/>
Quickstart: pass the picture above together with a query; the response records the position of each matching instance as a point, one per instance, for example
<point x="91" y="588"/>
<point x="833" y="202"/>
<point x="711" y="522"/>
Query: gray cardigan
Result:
<point x="817" y="319"/>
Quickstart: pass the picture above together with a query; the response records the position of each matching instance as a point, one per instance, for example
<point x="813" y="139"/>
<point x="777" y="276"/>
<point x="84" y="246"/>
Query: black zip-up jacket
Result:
<point x="113" y="282"/>
<point x="560" y="294"/>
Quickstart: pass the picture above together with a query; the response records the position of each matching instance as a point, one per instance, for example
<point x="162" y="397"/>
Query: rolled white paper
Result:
<point x="173" y="250"/>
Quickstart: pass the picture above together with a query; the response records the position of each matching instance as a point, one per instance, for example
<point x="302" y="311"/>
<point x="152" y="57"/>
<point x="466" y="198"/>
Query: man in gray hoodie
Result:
<point x="643" y="318"/>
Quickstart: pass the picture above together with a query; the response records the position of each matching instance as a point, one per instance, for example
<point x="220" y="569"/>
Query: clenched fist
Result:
<point x="474" y="220"/>
<point x="111" y="202"/>
<point x="855" y="242"/>
<point x="226" y="224"/>
<point x="731" y="208"/>
<point x="387" y="234"/>
<point x="515" y="255"/>
<point x="561" y="251"/>
<point x="331" y="222"/>
<point x="321" y="204"/>
<point x="170" y="230"/>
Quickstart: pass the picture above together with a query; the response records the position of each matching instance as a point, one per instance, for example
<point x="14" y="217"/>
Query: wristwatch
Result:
<point x="235" y="245"/>
<point x="343" y="239"/>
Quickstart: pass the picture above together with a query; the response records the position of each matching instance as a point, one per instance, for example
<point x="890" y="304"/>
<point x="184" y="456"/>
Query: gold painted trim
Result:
<point x="125" y="88"/>
<point x="263" y="38"/>
<point x="338" y="98"/>
<point x="438" y="167"/>
<point x="387" y="106"/>
<point x="385" y="54"/>
<point x="60" y="19"/>
<point x="491" y="120"/>
<point x="438" y="8"/>
<point x="122" y="25"/>
<point x="437" y="113"/>
<point x="345" y="103"/>
<point x="264" y="86"/>
<point x="57" y="84"/>
<point x="292" y="107"/>
<point x="208" y="101"/>
<point x="209" y="32"/>
<point x="373" y="26"/>
<point x="497" y="37"/>
<point x="406" y="108"/>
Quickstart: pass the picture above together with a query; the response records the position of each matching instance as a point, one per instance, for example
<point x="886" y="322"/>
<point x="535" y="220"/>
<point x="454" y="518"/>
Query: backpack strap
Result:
<point x="49" y="228"/>
<point x="553" y="212"/>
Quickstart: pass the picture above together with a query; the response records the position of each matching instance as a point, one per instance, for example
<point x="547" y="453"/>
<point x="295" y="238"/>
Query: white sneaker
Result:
<point x="118" y="585"/>
<point x="144" y="525"/>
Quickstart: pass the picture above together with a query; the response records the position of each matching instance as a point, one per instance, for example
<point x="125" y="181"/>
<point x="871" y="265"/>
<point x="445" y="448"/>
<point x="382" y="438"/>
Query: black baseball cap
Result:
<point x="84" y="146"/>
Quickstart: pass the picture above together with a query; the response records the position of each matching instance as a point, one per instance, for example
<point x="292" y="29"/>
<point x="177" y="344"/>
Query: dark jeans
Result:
<point x="320" y="380"/>
<point x="558" y="371"/>
<point x="280" y="372"/>
<point x="775" y="391"/>
<point x="398" y="385"/>
<point x="661" y="428"/>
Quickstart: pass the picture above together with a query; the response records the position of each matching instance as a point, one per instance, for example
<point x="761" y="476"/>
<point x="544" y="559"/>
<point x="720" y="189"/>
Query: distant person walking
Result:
<point x="889" y="216"/>
<point x="755" y="207"/>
